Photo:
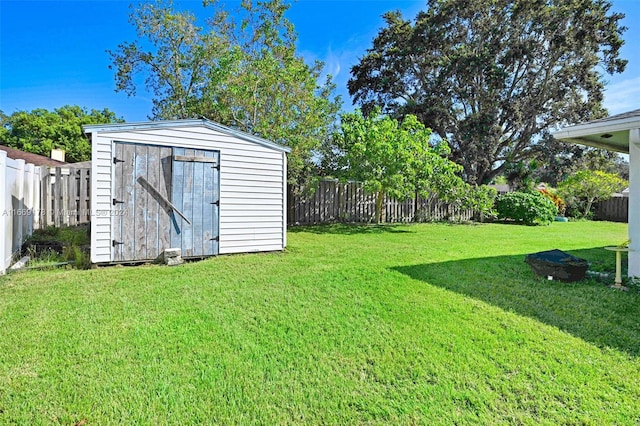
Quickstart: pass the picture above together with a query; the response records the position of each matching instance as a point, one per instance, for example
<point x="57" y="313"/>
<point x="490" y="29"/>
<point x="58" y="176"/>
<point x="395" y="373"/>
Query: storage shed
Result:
<point x="190" y="184"/>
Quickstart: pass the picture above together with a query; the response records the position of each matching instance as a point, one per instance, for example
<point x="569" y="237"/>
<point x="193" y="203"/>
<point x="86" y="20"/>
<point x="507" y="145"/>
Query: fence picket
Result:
<point x="333" y="201"/>
<point x="65" y="196"/>
<point x="614" y="209"/>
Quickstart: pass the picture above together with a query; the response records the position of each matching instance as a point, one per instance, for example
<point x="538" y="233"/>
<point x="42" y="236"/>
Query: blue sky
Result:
<point x="52" y="53"/>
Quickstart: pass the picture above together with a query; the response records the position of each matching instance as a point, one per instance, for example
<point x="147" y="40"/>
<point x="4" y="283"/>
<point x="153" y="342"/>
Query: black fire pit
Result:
<point x="557" y="264"/>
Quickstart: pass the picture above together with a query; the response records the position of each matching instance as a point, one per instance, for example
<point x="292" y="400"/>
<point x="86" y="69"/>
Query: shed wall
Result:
<point x="252" y="182"/>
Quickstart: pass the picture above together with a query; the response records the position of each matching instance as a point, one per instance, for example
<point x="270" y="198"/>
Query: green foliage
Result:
<point x="47" y="258"/>
<point x="480" y="199"/>
<point x="241" y="69"/>
<point x="492" y="76"/>
<point x="80" y="257"/>
<point x="529" y="208"/>
<point x="39" y="131"/>
<point x="391" y="158"/>
<point x="586" y="187"/>
<point x="556" y="199"/>
<point x="53" y="245"/>
<point x="520" y="175"/>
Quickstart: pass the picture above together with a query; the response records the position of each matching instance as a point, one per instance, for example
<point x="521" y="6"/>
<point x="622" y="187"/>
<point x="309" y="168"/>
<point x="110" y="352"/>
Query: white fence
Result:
<point x="19" y="205"/>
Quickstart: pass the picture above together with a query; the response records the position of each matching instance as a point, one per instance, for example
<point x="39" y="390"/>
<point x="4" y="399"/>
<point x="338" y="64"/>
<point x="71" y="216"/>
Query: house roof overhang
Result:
<point x="29" y="157"/>
<point x="610" y="133"/>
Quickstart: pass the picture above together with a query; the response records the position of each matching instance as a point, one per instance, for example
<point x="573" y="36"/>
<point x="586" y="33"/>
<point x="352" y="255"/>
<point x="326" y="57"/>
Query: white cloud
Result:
<point x="338" y="63"/>
<point x="622" y="96"/>
<point x="332" y="62"/>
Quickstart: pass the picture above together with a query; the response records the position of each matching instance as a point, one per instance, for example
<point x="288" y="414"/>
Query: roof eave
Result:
<point x="149" y="125"/>
<point x="581" y="133"/>
<point x="603" y="145"/>
<point x="587" y="129"/>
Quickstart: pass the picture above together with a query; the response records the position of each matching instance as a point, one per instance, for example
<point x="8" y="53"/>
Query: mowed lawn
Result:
<point x="411" y="324"/>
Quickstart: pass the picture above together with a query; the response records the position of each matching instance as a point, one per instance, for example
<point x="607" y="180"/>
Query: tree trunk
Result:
<point x="588" y="208"/>
<point x="379" y="213"/>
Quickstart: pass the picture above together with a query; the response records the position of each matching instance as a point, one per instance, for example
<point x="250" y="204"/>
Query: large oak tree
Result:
<point x="491" y="76"/>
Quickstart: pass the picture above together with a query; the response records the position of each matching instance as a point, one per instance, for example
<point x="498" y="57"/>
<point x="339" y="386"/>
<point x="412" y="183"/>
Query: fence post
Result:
<point x="72" y="199"/>
<point x="45" y="197"/>
<point x="29" y="204"/>
<point x="64" y="210"/>
<point x="36" y="202"/>
<point x="82" y="196"/>
<point x="57" y="195"/>
<point x="19" y="218"/>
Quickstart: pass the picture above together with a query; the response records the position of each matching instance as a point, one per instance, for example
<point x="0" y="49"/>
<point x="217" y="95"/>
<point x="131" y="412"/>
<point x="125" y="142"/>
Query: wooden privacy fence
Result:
<point x="615" y="209"/>
<point x="333" y="201"/>
<point x="66" y="196"/>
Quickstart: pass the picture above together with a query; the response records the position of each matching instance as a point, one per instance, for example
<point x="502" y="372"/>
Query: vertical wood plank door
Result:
<point x="149" y="184"/>
<point x="196" y="194"/>
<point x="140" y="217"/>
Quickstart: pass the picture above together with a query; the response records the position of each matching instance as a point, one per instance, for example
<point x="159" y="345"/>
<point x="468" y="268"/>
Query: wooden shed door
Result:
<point x="196" y="194"/>
<point x="153" y="188"/>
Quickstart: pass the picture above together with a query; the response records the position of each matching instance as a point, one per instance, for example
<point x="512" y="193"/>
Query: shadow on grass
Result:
<point x="350" y="229"/>
<point x="586" y="309"/>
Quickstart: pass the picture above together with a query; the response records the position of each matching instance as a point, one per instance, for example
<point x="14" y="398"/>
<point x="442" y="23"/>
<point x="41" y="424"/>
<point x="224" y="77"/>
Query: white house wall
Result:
<point x="252" y="187"/>
<point x="634" y="202"/>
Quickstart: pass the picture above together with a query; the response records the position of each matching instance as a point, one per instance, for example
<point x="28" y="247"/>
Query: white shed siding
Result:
<point x="100" y="199"/>
<point x="252" y="181"/>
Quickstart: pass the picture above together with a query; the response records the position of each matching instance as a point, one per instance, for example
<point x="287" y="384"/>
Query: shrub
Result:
<point x="529" y="208"/>
<point x="480" y="199"/>
<point x="79" y="257"/>
<point x="556" y="199"/>
<point x="586" y="187"/>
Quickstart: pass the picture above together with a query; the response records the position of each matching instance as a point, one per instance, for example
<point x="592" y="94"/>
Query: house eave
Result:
<point x="595" y="144"/>
<point x="612" y="135"/>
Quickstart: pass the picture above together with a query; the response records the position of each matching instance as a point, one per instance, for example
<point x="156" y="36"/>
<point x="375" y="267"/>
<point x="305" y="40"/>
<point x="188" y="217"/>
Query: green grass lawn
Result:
<point x="417" y="324"/>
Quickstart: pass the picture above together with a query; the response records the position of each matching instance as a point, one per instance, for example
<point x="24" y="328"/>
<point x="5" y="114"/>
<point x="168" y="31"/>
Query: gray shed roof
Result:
<point x="610" y="133"/>
<point x="150" y="125"/>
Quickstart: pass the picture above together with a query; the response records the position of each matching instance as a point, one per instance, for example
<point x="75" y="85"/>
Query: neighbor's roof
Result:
<point x="28" y="157"/>
<point x="152" y="125"/>
<point x="611" y="133"/>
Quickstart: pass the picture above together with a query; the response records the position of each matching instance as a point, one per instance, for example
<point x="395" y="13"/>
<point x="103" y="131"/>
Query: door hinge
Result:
<point x="116" y="160"/>
<point x="214" y="239"/>
<point x="117" y="202"/>
<point x="216" y="203"/>
<point x="116" y="243"/>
